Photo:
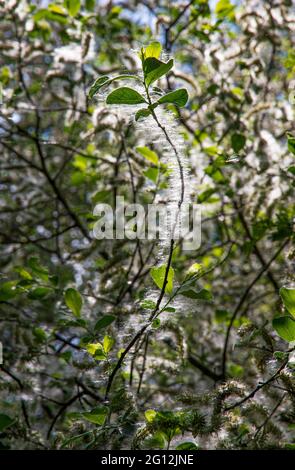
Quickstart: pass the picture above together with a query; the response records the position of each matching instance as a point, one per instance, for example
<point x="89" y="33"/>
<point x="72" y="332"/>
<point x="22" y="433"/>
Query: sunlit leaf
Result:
<point x="158" y="276"/>
<point x="153" y="50"/>
<point x="150" y="415"/>
<point x="52" y="13"/>
<point x="235" y="370"/>
<point x="23" y="273"/>
<point x="148" y="154"/>
<point x="152" y="174"/>
<point x="108" y="343"/>
<point x="194" y="269"/>
<point x="74" y="301"/>
<point x="224" y="8"/>
<point x="73" y="6"/>
<point x="96" y="350"/>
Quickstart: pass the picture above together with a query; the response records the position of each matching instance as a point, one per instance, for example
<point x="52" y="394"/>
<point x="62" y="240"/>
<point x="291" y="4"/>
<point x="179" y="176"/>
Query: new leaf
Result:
<point x="153" y="50"/>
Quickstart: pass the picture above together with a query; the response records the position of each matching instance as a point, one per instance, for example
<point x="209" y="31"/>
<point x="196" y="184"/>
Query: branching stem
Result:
<point x="168" y="265"/>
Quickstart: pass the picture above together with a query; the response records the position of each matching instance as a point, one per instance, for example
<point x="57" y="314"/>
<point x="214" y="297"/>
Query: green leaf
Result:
<point x="288" y="298"/>
<point x="23" y="273"/>
<point x="203" y="294"/>
<point x="54" y="280"/>
<point x="280" y="355"/>
<point x="156" y="323"/>
<point x="206" y="195"/>
<point x="148" y="304"/>
<point x="221" y="315"/>
<point x="53" y="13"/>
<point x="74" y="301"/>
<point x="24" y="283"/>
<point x="238" y="142"/>
<point x="8" y="290"/>
<point x="235" y="370"/>
<point x="40" y="335"/>
<point x="151" y="64"/>
<point x="178" y="97"/>
<point x="195" y="268"/>
<point x="156" y="441"/>
<point x="169" y="309"/>
<point x="105" y="81"/>
<point x="108" y="343"/>
<point x="39" y="293"/>
<point x="73" y="6"/>
<point x="224" y="9"/>
<point x="158" y="276"/>
<point x="153" y="50"/>
<point x="66" y="356"/>
<point x="285" y="327"/>
<point x="95" y="87"/>
<point x="150" y="415"/>
<point x="155" y="69"/>
<point x="101" y="196"/>
<point x="142" y="113"/>
<point x="93" y="347"/>
<point x="104" y="322"/>
<point x="152" y="174"/>
<point x="39" y="270"/>
<point x="148" y="154"/>
<point x="90" y="4"/>
<point x="96" y="416"/>
<point x="291" y="143"/>
<point x="5" y="421"/>
<point x="125" y="95"/>
<point x="289" y="446"/>
<point x="187" y="446"/>
<point x="96" y="350"/>
<point x="78" y="178"/>
<point x="157" y="90"/>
